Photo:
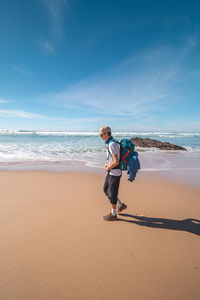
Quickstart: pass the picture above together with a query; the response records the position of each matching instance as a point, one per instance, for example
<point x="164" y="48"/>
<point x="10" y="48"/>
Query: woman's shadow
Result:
<point x="189" y="225"/>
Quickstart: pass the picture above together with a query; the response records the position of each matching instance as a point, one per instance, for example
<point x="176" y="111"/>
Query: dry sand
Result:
<point x="54" y="243"/>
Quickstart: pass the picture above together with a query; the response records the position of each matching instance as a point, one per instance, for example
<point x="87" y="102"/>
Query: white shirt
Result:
<point x="114" y="149"/>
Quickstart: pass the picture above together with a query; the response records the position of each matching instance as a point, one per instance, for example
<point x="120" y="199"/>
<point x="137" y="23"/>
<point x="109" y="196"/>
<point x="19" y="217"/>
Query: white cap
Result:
<point x="104" y="129"/>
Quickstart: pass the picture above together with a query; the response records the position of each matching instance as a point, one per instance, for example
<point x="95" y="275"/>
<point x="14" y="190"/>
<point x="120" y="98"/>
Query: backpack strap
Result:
<point x="107" y="146"/>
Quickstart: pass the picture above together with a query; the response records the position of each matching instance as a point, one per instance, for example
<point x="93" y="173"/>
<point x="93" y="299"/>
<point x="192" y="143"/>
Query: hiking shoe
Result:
<point x="110" y="217"/>
<point x="121" y="208"/>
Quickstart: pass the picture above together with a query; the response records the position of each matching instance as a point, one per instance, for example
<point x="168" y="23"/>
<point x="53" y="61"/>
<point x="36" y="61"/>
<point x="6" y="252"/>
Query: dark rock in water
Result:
<point x="149" y="143"/>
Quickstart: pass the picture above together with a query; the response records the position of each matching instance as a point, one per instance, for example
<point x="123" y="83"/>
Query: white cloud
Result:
<point x="28" y="115"/>
<point x="138" y="87"/>
<point x="46" y="46"/>
<point x="57" y="9"/>
<point x="3" y="101"/>
<point x="120" y="92"/>
<point x="21" y="70"/>
<point x="20" y="114"/>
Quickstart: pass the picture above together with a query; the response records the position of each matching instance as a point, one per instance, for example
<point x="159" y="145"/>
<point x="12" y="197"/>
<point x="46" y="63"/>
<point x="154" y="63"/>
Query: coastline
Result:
<point x="55" y="245"/>
<point x="185" y="175"/>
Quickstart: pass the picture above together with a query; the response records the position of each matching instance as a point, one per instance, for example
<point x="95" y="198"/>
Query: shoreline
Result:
<point x="185" y="176"/>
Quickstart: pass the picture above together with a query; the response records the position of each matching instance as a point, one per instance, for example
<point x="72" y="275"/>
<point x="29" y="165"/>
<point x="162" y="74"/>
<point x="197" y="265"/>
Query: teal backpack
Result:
<point x="126" y="151"/>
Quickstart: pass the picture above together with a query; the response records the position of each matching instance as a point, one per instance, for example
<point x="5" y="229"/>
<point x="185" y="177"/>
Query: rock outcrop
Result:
<point x="149" y="143"/>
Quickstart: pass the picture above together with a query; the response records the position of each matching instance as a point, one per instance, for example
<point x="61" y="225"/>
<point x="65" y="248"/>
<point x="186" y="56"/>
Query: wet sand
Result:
<point x="55" y="245"/>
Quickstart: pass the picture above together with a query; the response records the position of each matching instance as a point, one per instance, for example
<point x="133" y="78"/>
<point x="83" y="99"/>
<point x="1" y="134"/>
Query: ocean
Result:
<point x="61" y="151"/>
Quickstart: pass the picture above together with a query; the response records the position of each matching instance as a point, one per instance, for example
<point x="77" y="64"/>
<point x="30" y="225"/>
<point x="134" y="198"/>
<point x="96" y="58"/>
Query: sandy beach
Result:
<point x="55" y="245"/>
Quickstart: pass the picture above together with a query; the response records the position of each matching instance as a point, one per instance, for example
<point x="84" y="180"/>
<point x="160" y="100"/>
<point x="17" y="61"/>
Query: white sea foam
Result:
<point x="193" y="149"/>
<point x="95" y="133"/>
<point x="47" y="133"/>
<point x="169" y="169"/>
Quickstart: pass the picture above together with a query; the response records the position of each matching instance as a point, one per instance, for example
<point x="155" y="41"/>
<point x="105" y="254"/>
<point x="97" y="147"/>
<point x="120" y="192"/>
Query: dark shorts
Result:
<point x="111" y="187"/>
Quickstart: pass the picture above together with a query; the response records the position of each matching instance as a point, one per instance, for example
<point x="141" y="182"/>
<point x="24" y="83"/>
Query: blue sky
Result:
<point x="75" y="65"/>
